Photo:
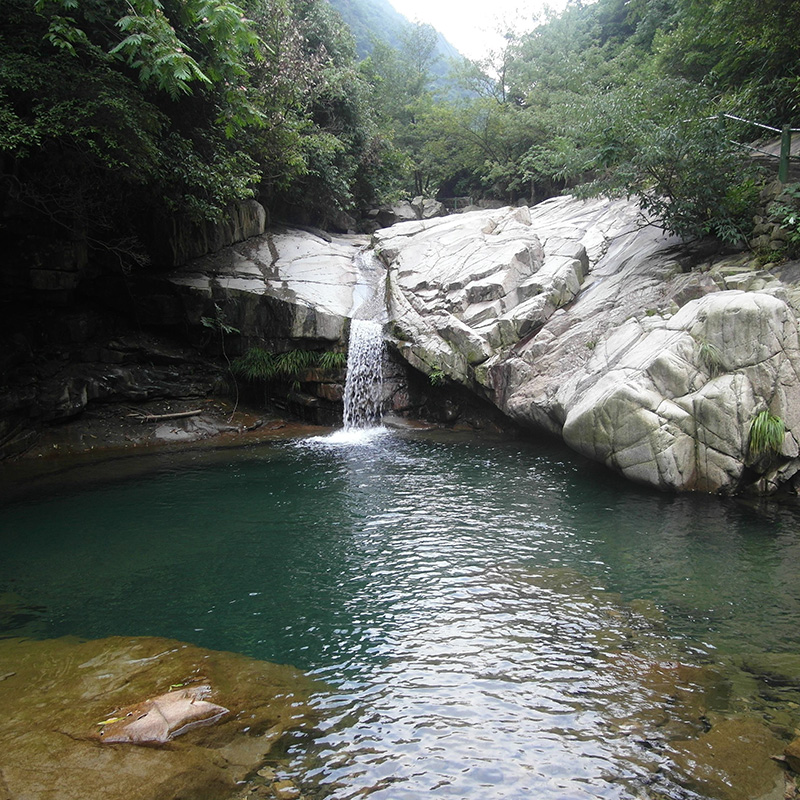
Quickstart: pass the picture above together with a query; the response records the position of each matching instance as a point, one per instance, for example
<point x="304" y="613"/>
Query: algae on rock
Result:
<point x="56" y="693"/>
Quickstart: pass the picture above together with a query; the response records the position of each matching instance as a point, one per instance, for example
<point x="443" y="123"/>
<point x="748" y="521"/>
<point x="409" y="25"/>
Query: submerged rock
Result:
<point x="57" y="694"/>
<point x="733" y="761"/>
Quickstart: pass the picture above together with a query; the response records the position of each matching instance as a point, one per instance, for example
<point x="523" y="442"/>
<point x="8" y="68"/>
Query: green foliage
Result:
<point x="748" y="52"/>
<point x="686" y="175"/>
<point x="217" y="322"/>
<point x="766" y="435"/>
<point x="332" y="360"/>
<point x="785" y="211"/>
<point x="258" y="364"/>
<point x="604" y="95"/>
<point x="711" y="357"/>
<point x="116" y="113"/>
<point x="436" y="377"/>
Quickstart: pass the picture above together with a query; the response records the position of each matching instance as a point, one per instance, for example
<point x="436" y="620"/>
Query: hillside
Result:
<point x="378" y="19"/>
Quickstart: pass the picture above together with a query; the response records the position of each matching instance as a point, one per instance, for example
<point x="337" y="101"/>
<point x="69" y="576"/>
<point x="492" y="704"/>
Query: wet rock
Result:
<point x="189" y="430"/>
<point x="792" y="754"/>
<point x="56" y="693"/>
<point x="733" y="761"/>
<point x="285" y="790"/>
<point x="775" y="669"/>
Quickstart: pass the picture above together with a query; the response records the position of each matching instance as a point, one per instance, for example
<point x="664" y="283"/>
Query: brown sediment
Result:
<point x="119" y="434"/>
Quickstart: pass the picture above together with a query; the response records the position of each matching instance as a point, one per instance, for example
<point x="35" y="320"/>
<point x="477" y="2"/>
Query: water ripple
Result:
<point x="489" y="620"/>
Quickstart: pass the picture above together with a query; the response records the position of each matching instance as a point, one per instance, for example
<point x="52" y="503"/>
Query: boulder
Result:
<point x="73" y="711"/>
<point x="428" y="208"/>
<point x="573" y="318"/>
<point x="651" y="405"/>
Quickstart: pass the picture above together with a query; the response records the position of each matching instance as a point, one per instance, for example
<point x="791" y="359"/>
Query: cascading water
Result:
<point x="363" y="391"/>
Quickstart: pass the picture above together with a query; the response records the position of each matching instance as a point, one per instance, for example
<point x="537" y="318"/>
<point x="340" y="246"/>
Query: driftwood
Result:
<point x="173" y="415"/>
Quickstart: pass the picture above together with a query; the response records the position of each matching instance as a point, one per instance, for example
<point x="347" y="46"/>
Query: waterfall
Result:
<point x="363" y="391"/>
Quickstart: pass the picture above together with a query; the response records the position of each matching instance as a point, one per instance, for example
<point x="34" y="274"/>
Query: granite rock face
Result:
<point x="292" y="285"/>
<point x="573" y="318"/>
<point x="669" y="402"/>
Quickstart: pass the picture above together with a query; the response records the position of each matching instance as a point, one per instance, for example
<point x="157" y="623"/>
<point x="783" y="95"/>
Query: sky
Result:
<point x="472" y="26"/>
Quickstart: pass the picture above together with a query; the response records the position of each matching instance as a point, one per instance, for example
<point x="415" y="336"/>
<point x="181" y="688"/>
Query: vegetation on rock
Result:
<point x="258" y="364"/>
<point x="766" y="434"/>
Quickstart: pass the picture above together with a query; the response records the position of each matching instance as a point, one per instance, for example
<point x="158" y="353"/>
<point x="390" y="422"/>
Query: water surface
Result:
<point x="494" y="619"/>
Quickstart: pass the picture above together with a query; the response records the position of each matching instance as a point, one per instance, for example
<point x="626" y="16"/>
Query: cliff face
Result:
<point x="572" y="318"/>
<point x="568" y="317"/>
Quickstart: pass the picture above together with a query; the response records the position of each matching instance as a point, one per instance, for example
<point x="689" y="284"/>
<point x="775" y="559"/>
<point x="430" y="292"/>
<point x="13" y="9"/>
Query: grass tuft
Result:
<point x="766" y="434"/>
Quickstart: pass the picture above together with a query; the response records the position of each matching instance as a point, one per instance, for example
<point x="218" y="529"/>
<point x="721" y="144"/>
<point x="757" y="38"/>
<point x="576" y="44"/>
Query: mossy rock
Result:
<point x="55" y="693"/>
<point x="735" y="760"/>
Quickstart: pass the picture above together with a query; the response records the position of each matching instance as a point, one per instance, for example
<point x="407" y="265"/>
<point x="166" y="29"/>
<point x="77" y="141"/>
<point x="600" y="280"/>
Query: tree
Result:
<point x="748" y="52"/>
<point x="402" y="97"/>
<point x="116" y="114"/>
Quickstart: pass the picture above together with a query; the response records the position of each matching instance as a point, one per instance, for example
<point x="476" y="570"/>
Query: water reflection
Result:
<point x="493" y="619"/>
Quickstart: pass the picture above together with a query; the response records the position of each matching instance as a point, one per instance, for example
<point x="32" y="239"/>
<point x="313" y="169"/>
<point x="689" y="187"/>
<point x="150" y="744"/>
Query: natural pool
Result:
<point x="495" y="619"/>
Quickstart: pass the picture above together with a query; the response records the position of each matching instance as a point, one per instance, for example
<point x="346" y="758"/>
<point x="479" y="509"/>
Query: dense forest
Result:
<point x="115" y="115"/>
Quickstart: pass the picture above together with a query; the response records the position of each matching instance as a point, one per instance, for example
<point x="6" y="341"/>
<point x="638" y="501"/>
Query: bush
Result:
<point x="687" y="177"/>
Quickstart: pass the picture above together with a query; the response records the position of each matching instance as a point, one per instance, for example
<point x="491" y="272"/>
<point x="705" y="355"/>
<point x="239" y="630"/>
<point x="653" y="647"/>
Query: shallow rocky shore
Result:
<point x="59" y="695"/>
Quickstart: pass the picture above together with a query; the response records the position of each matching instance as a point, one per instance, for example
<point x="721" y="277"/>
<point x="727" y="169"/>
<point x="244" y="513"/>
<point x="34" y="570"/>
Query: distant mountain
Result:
<point x="378" y="19"/>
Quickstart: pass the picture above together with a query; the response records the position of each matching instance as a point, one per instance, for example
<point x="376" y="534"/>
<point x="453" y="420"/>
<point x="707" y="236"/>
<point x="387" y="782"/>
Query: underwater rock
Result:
<point x="792" y="754"/>
<point x="56" y="693"/>
<point x="734" y="760"/>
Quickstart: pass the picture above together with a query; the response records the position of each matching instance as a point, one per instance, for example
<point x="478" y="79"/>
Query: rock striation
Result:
<point x="288" y="285"/>
<point x="573" y="318"/>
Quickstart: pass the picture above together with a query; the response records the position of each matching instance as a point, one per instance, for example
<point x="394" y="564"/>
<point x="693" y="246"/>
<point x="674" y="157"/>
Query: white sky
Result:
<point x="472" y="26"/>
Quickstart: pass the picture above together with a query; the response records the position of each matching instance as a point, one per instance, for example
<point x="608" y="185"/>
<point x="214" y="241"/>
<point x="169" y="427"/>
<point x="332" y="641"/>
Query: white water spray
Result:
<point x="363" y="390"/>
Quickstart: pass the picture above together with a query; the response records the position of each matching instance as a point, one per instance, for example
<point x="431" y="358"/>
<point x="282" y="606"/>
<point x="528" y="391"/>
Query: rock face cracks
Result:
<point x="570" y="317"/>
<point x="573" y="318"/>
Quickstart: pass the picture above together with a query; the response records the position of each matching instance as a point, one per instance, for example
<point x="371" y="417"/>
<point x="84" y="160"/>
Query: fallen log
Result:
<point x="173" y="415"/>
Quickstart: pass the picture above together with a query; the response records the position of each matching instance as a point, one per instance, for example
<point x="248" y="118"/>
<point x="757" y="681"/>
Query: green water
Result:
<point x="468" y="602"/>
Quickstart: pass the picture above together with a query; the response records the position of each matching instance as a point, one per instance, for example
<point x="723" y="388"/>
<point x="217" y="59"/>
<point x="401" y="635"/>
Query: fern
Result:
<point x="332" y="360"/>
<point x="255" y="365"/>
<point x="436" y="377"/>
<point x="711" y="357"/>
<point x="293" y="362"/>
<point x="766" y="434"/>
<point x="258" y="364"/>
